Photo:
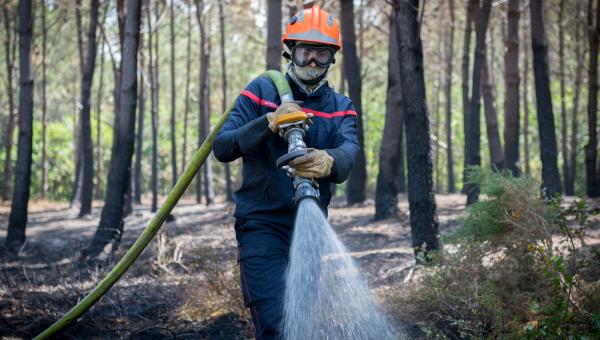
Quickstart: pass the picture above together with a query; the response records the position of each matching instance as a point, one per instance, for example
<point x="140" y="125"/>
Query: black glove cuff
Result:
<point x="253" y="134"/>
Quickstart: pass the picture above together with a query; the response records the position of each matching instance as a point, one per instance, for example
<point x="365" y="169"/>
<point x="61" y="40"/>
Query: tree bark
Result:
<point x="491" y="118"/>
<point x="563" y="99"/>
<point x="137" y="182"/>
<point x="43" y="163"/>
<point x="10" y="48"/>
<point x="173" y="101"/>
<point x="87" y="79"/>
<point x="274" y="35"/>
<point x="449" y="53"/>
<point x="511" y="83"/>
<point x="423" y="220"/>
<point x="154" y="87"/>
<point x="386" y="194"/>
<point x="473" y="136"/>
<point x="186" y="109"/>
<point x="99" y="161"/>
<point x="570" y="185"/>
<point x="526" y="146"/>
<point x="111" y="220"/>
<point x="591" y="149"/>
<point x="472" y="9"/>
<point x="77" y="184"/>
<point x="204" y="102"/>
<point x="228" y="184"/>
<point x="545" y="115"/>
<point x="17" y="220"/>
<point x="358" y="176"/>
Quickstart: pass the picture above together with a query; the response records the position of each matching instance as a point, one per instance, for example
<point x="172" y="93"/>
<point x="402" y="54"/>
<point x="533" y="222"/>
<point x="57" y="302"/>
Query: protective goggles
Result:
<point x="303" y="55"/>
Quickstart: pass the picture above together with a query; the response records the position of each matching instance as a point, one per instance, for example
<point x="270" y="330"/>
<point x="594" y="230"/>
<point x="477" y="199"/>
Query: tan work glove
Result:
<point x="289" y="112"/>
<point x="315" y="164"/>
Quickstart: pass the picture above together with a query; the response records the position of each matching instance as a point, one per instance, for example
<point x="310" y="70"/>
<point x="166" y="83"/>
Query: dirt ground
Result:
<point x="185" y="284"/>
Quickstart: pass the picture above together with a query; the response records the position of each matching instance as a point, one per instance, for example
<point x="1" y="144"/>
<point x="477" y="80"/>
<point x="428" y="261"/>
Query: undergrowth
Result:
<point x="517" y="268"/>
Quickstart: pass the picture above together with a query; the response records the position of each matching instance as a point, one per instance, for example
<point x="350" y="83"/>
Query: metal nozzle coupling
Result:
<point x="305" y="188"/>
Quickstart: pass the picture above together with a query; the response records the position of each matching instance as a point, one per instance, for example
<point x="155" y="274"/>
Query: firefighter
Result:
<point x="265" y="210"/>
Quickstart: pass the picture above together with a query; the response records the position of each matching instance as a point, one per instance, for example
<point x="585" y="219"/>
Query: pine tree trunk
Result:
<point x="386" y="194"/>
<point x="579" y="56"/>
<point x="545" y="114"/>
<point x="357" y="181"/>
<point x="563" y="99"/>
<point x="17" y="220"/>
<point x="526" y="147"/>
<point x="472" y="9"/>
<point x="449" y="53"/>
<point x="204" y="102"/>
<point x="137" y="182"/>
<point x="186" y="110"/>
<point x="99" y="162"/>
<point x="43" y="163"/>
<point x="423" y="220"/>
<point x="274" y="35"/>
<point x="119" y="176"/>
<point x="591" y="149"/>
<point x="473" y="136"/>
<point x="153" y="47"/>
<point x="511" y="83"/>
<point x="491" y="118"/>
<point x="10" y="48"/>
<point x="173" y="94"/>
<point x="87" y="188"/>
<point x="228" y="184"/>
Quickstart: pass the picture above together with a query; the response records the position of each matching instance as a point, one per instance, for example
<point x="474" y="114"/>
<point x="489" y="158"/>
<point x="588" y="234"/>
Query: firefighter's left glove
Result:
<point x="315" y="164"/>
<point x="286" y="113"/>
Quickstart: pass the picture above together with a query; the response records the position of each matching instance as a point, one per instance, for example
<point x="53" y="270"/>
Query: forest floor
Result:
<point x="185" y="284"/>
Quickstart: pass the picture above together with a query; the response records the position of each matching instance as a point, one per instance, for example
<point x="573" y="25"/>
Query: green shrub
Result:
<point x="517" y="269"/>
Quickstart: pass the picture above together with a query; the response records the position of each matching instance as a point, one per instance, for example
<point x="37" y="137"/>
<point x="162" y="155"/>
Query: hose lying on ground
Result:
<point x="159" y="218"/>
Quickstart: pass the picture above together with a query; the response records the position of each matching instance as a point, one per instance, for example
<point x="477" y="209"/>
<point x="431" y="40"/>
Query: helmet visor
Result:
<point x="303" y="55"/>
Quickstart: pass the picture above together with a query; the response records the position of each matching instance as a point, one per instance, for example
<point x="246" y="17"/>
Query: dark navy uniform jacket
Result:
<point x="266" y="194"/>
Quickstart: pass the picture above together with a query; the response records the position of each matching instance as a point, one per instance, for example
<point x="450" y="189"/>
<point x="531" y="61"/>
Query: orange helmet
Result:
<point x="315" y="25"/>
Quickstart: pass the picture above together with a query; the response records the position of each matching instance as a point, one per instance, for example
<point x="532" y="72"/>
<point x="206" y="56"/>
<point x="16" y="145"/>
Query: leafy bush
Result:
<point x="519" y="268"/>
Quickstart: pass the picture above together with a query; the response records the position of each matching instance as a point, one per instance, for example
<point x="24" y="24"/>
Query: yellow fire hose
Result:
<point x="159" y="218"/>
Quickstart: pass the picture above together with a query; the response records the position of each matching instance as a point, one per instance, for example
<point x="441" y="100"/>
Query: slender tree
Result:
<point x="449" y="53"/>
<point x="137" y="182"/>
<point x="154" y="88"/>
<point x="473" y="135"/>
<point x="228" y="184"/>
<point x="579" y="56"/>
<point x="78" y="182"/>
<point x="423" y="220"/>
<point x="358" y="176"/>
<point x="99" y="161"/>
<point x="591" y="149"/>
<point x="9" y="56"/>
<point x="526" y="146"/>
<point x="43" y="162"/>
<point x="472" y="9"/>
<point x="511" y="83"/>
<point x="87" y="79"/>
<point x="539" y="44"/>
<point x="204" y="103"/>
<point x="386" y="195"/>
<point x="17" y="220"/>
<point x="274" y="35"/>
<point x="173" y="93"/>
<point x="111" y="220"/>
<point x="491" y="118"/>
<point x="563" y="96"/>
<point x="188" y="63"/>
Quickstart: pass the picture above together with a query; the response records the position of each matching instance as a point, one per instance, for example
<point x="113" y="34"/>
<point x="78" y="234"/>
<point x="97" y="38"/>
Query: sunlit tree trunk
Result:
<point x="449" y="53"/>
<point x="99" y="163"/>
<point x="423" y="220"/>
<point x="228" y="184"/>
<point x="154" y="87"/>
<point x="137" y="182"/>
<point x="17" y="220"/>
<point x="43" y="163"/>
<point x="188" y="63"/>
<point x="545" y="114"/>
<point x="173" y="94"/>
<point x="355" y="189"/>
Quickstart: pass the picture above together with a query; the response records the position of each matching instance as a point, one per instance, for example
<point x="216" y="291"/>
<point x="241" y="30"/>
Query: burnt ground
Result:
<point x="185" y="284"/>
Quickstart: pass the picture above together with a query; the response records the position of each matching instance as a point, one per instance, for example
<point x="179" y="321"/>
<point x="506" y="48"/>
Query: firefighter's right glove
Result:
<point x="286" y="113"/>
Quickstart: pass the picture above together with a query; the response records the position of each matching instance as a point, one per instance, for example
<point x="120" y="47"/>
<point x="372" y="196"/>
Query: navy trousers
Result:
<point x="263" y="256"/>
